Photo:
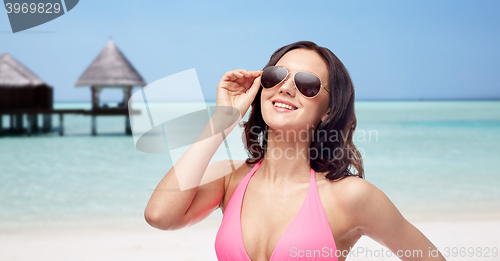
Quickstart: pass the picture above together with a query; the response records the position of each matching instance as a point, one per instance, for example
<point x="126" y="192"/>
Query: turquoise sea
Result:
<point x="433" y="159"/>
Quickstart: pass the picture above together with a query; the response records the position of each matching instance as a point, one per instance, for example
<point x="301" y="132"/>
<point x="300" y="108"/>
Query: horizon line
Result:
<point x="376" y="100"/>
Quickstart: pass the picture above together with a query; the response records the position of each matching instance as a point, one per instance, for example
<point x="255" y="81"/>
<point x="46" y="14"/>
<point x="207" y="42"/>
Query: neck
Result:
<point x="286" y="158"/>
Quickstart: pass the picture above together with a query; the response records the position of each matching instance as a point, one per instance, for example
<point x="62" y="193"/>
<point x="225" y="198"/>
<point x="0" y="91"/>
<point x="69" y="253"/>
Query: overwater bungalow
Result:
<point x="110" y="69"/>
<point x="21" y="90"/>
<point x="23" y="93"/>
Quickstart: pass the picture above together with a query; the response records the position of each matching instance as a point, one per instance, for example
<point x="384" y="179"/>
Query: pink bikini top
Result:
<point x="308" y="237"/>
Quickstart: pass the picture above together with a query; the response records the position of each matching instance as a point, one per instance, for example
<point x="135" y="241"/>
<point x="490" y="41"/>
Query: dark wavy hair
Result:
<point x="331" y="154"/>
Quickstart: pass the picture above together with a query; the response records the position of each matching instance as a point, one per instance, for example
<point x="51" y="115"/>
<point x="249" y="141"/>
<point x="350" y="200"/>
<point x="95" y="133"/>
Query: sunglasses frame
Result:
<point x="288" y="73"/>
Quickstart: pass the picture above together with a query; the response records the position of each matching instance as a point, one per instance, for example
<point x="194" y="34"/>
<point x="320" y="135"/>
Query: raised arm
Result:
<point x="170" y="207"/>
<point x="379" y="219"/>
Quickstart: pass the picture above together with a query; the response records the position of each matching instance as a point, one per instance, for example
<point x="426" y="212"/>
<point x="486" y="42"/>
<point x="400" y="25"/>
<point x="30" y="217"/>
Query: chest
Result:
<point x="265" y="217"/>
<point x="274" y="219"/>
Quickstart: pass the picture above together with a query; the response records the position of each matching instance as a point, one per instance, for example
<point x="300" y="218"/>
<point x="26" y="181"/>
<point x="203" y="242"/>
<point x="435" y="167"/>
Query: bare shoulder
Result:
<point x="355" y="188"/>
<point x="366" y="205"/>
<point x="355" y="194"/>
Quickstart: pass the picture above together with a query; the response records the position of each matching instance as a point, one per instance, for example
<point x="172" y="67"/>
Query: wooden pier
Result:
<point x="22" y="93"/>
<point x="16" y="119"/>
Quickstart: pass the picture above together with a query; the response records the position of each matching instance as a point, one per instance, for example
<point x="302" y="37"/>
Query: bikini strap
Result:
<point x="256" y="166"/>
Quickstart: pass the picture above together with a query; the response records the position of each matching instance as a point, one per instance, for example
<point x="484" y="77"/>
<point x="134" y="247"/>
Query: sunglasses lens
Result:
<point x="272" y="76"/>
<point x="307" y="83"/>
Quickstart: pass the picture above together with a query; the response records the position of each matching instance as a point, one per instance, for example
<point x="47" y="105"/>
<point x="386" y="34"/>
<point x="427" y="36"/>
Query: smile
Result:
<point x="283" y="107"/>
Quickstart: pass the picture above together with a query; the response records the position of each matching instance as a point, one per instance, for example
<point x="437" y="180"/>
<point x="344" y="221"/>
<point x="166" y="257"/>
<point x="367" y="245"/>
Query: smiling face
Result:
<point x="309" y="111"/>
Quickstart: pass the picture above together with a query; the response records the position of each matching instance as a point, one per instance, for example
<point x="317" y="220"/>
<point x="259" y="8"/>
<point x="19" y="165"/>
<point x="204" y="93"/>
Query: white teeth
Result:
<point x="282" y="105"/>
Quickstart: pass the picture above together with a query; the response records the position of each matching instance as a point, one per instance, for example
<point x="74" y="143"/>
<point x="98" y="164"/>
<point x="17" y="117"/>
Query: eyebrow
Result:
<point x="296" y="70"/>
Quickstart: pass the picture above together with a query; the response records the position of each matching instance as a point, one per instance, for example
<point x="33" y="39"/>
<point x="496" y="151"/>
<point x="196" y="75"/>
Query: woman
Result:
<point x="302" y="198"/>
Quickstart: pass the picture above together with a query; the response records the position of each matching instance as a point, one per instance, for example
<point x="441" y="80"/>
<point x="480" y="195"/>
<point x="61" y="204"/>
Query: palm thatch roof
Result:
<point x="110" y="68"/>
<point x="14" y="74"/>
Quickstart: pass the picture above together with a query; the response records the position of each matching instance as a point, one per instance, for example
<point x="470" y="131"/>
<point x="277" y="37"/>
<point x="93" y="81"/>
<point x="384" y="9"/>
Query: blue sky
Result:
<point x="393" y="49"/>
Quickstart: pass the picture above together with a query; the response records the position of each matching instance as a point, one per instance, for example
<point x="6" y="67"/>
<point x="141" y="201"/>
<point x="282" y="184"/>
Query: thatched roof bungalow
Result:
<point x="21" y="88"/>
<point x="110" y="70"/>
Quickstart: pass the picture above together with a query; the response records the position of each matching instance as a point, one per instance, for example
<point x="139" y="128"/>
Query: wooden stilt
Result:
<point x="1" y="124"/>
<point x="11" y="127"/>
<point x="18" y="122"/>
<point x="34" y="122"/>
<point x="94" y="130"/>
<point x="61" y="124"/>
<point x="47" y="122"/>
<point x="128" y="129"/>
<point x="29" y="118"/>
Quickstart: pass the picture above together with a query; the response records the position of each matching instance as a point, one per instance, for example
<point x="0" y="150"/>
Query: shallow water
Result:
<point x="432" y="159"/>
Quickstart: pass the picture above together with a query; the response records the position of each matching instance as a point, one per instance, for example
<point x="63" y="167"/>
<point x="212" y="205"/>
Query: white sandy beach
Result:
<point x="142" y="242"/>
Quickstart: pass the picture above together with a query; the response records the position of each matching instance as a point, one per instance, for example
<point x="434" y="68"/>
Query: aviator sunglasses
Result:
<point x="307" y="83"/>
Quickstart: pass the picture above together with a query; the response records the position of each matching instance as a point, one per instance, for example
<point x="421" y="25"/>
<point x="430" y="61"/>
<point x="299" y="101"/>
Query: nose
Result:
<point x="287" y="86"/>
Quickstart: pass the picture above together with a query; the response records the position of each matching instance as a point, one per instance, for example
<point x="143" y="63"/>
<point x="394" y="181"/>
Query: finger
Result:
<point x="246" y="72"/>
<point x="249" y="78"/>
<point x="252" y="91"/>
<point x="238" y="75"/>
<point x="240" y="72"/>
<point x="233" y="76"/>
<point x="255" y="73"/>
